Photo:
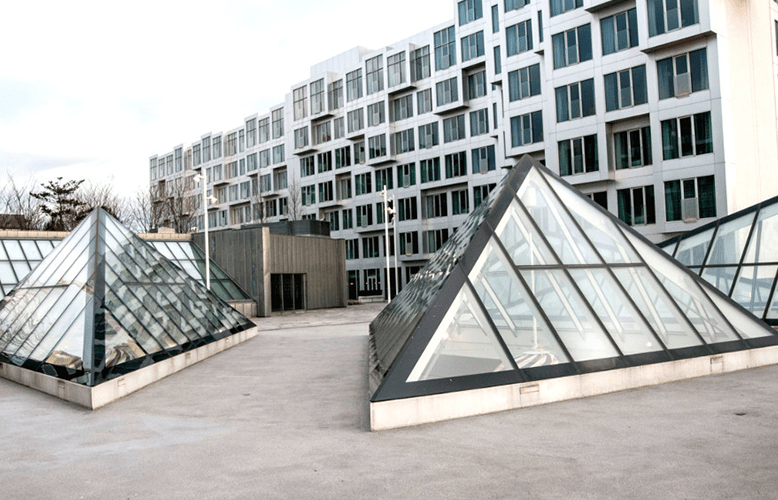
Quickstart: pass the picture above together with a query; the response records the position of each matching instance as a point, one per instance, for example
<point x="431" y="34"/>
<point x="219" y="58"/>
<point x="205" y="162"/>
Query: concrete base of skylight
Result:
<point x="111" y="390"/>
<point x="438" y="407"/>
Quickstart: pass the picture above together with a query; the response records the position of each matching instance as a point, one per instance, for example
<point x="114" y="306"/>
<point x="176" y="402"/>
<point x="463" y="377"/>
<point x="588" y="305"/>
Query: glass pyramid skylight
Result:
<point x="104" y="303"/>
<point x="738" y="255"/>
<point x="540" y="282"/>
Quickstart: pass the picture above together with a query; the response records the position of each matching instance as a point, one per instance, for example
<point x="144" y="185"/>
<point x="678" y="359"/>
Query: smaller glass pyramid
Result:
<point x="103" y="303"/>
<point x="539" y="283"/>
<point x="738" y="255"/>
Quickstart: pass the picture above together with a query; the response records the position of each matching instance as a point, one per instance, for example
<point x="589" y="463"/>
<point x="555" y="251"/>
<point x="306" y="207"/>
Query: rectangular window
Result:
<point x="519" y="37"/>
<point x="369" y="249"/>
<point x="575" y="101"/>
<point x="301" y="137"/>
<point x="307" y="166"/>
<point x="317" y="97"/>
<point x="383" y="177"/>
<point x="446" y="91"/>
<point x="407" y="209"/>
<point x="578" y="156"/>
<point x="445" y="48"/>
<point x="454" y="128"/>
<point x="480" y="193"/>
<point x="428" y="135"/>
<point x="374" y="73"/>
<point x="300" y="100"/>
<point x="335" y="92"/>
<point x="469" y="11"/>
<point x="179" y="154"/>
<point x="472" y="46"/>
<point x="424" y="101"/>
<point x="266" y="183"/>
<point x="264" y="158"/>
<point x="359" y="152"/>
<point x="356" y="120"/>
<point x="619" y="32"/>
<point x="560" y="6"/>
<point x="430" y="170"/>
<point x="409" y="243"/>
<point x="687" y="136"/>
<point x="278" y="154"/>
<point x="217" y="146"/>
<point x="241" y="140"/>
<point x="690" y="199"/>
<point x="278" y="123"/>
<point x="279" y="179"/>
<point x="376" y="146"/>
<point x="476" y="85"/>
<point x="682" y="74"/>
<point x="459" y="202"/>
<point x="434" y="239"/>
<point x="375" y="114"/>
<point x="322" y="133"/>
<point x="479" y="122"/>
<point x="344" y="192"/>
<point x="526" y="129"/>
<point x="420" y="64"/>
<point x="245" y="190"/>
<point x="352" y="246"/>
<point x="251" y="162"/>
<point x="497" y="60"/>
<point x="456" y="165"/>
<point x="515" y="4"/>
<point x="196" y="158"/>
<point x="364" y="215"/>
<point x="206" y="149"/>
<point x="632" y="148"/>
<point x="636" y="205"/>
<point x="406" y="175"/>
<point x="572" y="46"/>
<point x="495" y="19"/>
<point x="334" y="220"/>
<point x="483" y="159"/>
<point x="263" y="130"/>
<point x="232" y="145"/>
<point x="626" y="88"/>
<point x="362" y="184"/>
<point x="435" y="205"/>
<point x="402" y="141"/>
<point x="670" y="15"/>
<point x="540" y="26"/>
<point x="343" y="157"/>
<point x="354" y="85"/>
<point x="401" y="108"/>
<point x="325" y="161"/>
<point x="524" y="83"/>
<point x="325" y="191"/>
<point x="338" y="128"/>
<point x="395" y="66"/>
<point x="308" y="195"/>
<point x="348" y="219"/>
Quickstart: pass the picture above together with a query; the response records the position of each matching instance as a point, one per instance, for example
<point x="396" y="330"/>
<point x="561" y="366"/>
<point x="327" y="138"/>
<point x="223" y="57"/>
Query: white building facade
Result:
<point x="663" y="111"/>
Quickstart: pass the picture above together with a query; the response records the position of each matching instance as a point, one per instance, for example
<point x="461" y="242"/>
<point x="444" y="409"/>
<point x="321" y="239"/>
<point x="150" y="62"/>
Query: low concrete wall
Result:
<point x="438" y="407"/>
<point x="111" y="390"/>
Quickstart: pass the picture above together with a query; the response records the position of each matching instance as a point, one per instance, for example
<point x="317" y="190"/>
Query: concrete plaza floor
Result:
<point x="285" y="415"/>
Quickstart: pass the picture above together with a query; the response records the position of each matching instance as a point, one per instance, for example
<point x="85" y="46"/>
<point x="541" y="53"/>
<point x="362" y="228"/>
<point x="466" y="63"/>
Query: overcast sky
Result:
<point x="90" y="90"/>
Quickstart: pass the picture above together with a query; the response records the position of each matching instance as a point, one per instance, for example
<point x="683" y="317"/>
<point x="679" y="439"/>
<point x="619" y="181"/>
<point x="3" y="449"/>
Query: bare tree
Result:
<point x="17" y="200"/>
<point x="145" y="210"/>
<point x="258" y="204"/>
<point x="102" y="195"/>
<point x="180" y="206"/>
<point x="295" y="200"/>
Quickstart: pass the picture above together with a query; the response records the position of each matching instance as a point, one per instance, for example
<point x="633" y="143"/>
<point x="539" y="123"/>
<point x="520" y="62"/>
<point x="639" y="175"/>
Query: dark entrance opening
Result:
<point x="353" y="285"/>
<point x="287" y="292"/>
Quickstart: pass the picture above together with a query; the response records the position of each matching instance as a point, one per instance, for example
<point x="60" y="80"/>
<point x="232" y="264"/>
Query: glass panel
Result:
<point x="670" y="249"/>
<point x="233" y="291"/>
<point x="597" y="225"/>
<point x="744" y="324"/>
<point x="119" y="346"/>
<point x="21" y="268"/>
<point x="521" y="240"/>
<point x="45" y="247"/>
<point x="720" y="277"/>
<point x="730" y="241"/>
<point x="619" y="316"/>
<point x="3" y="255"/>
<point x="692" y="249"/>
<point x="61" y="306"/>
<point x="30" y="250"/>
<point x="693" y="302"/>
<point x="554" y="222"/>
<point x="657" y="307"/>
<point x="753" y="286"/>
<point x="187" y="249"/>
<point x="178" y="253"/>
<point x="518" y="320"/>
<point x="7" y="274"/>
<point x="579" y="331"/>
<point x="463" y="344"/>
<point x="191" y="269"/>
<point x="161" y="246"/>
<point x="14" y="250"/>
<point x="69" y="352"/>
<point x="762" y="245"/>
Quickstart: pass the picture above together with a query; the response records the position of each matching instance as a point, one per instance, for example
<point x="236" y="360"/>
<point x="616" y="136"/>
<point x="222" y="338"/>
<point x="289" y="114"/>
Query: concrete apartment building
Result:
<point x="663" y="111"/>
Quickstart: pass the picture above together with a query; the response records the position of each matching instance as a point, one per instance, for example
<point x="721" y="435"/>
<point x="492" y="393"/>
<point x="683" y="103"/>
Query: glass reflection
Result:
<point x="753" y="287"/>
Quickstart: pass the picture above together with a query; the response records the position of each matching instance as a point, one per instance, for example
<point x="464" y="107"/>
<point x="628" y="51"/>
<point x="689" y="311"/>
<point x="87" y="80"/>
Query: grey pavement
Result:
<point x="285" y="415"/>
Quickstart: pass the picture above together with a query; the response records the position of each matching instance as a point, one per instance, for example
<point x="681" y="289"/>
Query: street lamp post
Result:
<point x="387" y="212"/>
<point x="200" y="179"/>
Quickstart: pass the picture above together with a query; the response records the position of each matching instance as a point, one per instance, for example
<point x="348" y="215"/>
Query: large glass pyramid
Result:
<point x="539" y="283"/>
<point x="103" y="303"/>
<point x="738" y="255"/>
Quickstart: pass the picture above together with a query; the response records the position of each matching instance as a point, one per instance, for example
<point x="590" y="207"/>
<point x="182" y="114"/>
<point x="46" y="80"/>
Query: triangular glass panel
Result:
<point x="464" y="344"/>
<point x="692" y="249"/>
<point x="729" y="242"/>
<point x="762" y="246"/>
<point x="521" y="240"/>
<point x="753" y="287"/>
<point x="721" y="277"/>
